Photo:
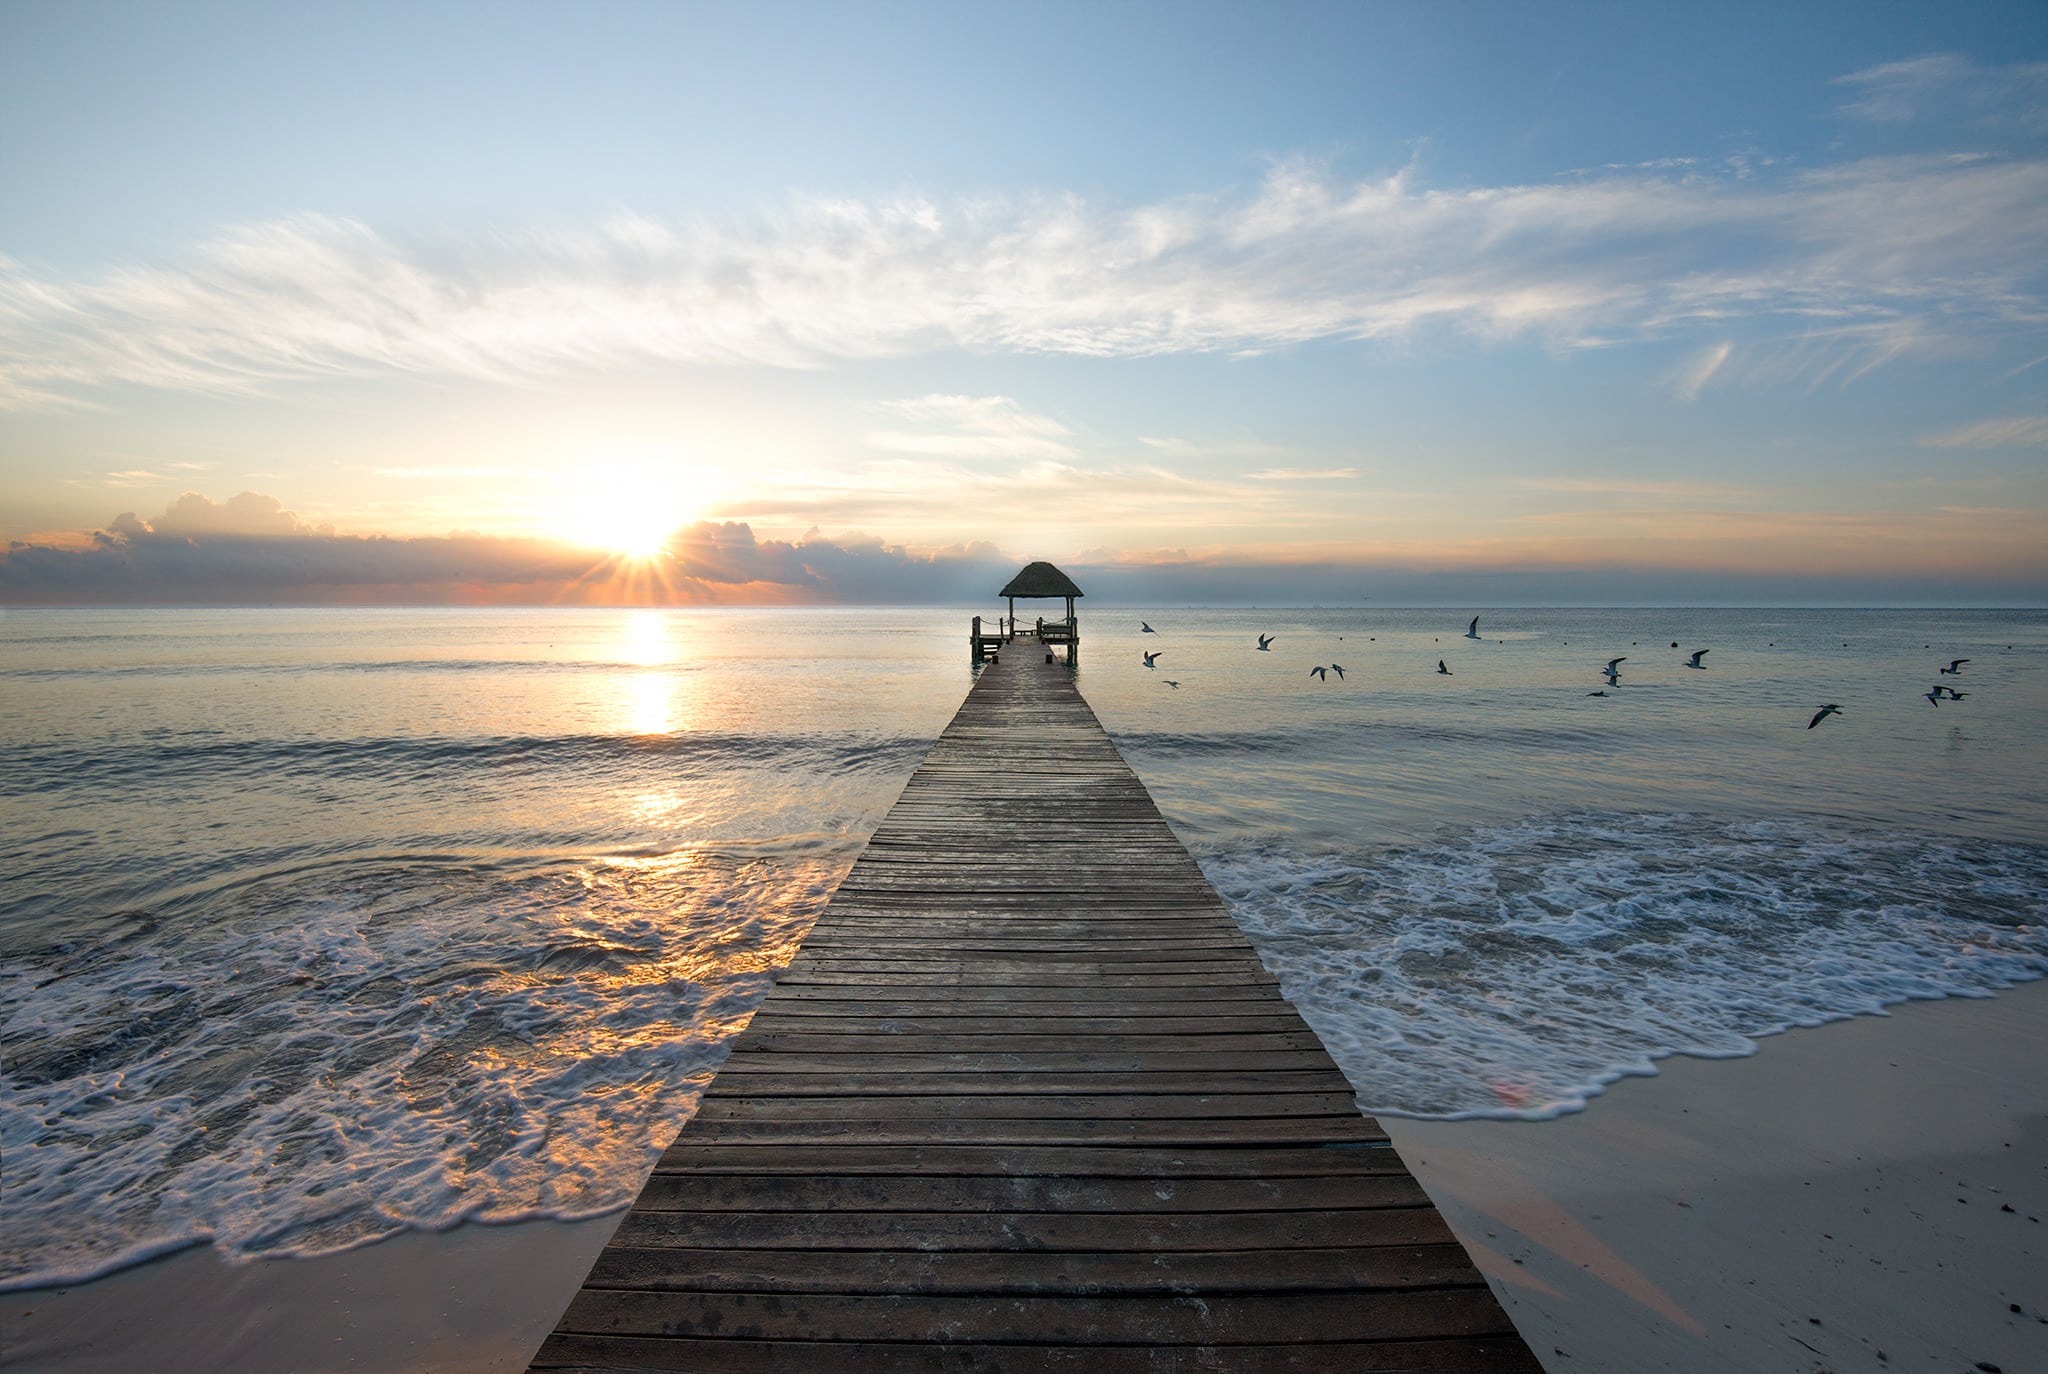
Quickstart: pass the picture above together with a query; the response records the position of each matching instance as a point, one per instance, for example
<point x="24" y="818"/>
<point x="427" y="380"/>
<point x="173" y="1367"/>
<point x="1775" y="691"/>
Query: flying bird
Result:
<point x="1144" y="628"/>
<point x="1266" y="642"/>
<point x="1933" y="695"/>
<point x="1171" y="683"/>
<point x="1954" y="695"/>
<point x="1441" y="669"/>
<point x="1472" y="630"/>
<point x="1323" y="673"/>
<point x="1954" y="669"/>
<point x="1609" y="669"/>
<point x="1596" y="694"/>
<point x="1338" y="669"/>
<point x="1823" y="713"/>
<point x="1152" y="659"/>
<point x="1697" y="655"/>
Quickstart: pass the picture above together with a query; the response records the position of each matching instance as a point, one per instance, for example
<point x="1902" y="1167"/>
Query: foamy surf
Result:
<point x="315" y="1063"/>
<point x="1516" y="970"/>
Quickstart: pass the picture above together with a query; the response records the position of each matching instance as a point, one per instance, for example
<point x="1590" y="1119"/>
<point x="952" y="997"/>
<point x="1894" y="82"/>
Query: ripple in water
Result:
<point x="1515" y="970"/>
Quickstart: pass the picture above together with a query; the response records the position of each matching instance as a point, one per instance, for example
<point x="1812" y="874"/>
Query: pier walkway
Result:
<point x="1027" y="1100"/>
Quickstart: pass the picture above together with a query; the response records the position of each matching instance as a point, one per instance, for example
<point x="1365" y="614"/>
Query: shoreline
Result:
<point x="1837" y="1194"/>
<point x="1878" y="1184"/>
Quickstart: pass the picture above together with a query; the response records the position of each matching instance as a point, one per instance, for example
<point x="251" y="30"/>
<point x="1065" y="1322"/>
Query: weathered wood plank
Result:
<point x="821" y="1192"/>
<point x="626" y="1354"/>
<point x="1106" y="1274"/>
<point x="1221" y="1319"/>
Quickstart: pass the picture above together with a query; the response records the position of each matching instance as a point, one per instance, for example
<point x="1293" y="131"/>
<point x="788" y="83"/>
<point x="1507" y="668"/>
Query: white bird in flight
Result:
<point x="1954" y="669"/>
<point x="1442" y="669"/>
<point x="1152" y="659"/>
<point x="1338" y="669"/>
<point x="1171" y="683"/>
<point x="1613" y="670"/>
<point x="1697" y="655"/>
<point x="1823" y="713"/>
<point x="1323" y="673"/>
<point x="1144" y="628"/>
<point x="1933" y="695"/>
<point x="1266" y="642"/>
<point x="1953" y="694"/>
<point x="1472" y="630"/>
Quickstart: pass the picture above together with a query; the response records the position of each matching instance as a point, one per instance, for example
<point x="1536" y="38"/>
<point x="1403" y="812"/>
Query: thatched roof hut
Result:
<point x="1044" y="581"/>
<point x="1041" y="580"/>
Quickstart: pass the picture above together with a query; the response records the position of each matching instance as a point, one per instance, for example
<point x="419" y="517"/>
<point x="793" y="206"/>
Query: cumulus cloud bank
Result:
<point x="250" y="551"/>
<point x="1873" y="258"/>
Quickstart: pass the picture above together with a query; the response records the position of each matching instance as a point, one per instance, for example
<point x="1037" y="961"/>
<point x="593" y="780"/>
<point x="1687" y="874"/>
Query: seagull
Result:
<point x="1171" y="683"/>
<point x="1323" y="673"/>
<point x="1266" y="642"/>
<point x="1823" y="713"/>
<point x="1472" y="630"/>
<point x="1954" y="695"/>
<point x="1933" y="695"/>
<point x="1954" y="669"/>
<point x="1146" y="629"/>
<point x="1338" y="669"/>
<point x="1441" y="669"/>
<point x="1152" y="659"/>
<point x="1613" y="670"/>
<point x="1596" y="694"/>
<point x="1697" y="655"/>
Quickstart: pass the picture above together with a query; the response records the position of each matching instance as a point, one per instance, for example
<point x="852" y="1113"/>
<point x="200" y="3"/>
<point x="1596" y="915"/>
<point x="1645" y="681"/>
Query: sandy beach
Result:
<point x="1864" y="1195"/>
<point x="1870" y="1194"/>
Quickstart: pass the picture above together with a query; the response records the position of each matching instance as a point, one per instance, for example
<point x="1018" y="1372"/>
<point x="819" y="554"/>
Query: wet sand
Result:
<point x="1870" y="1194"/>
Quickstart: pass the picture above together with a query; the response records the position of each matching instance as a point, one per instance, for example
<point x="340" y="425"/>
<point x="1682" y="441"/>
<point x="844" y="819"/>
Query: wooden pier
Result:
<point x="1027" y="1100"/>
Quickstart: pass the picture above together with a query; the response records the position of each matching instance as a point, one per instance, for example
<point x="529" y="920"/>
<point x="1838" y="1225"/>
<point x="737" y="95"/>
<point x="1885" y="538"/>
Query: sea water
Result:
<point x="316" y="925"/>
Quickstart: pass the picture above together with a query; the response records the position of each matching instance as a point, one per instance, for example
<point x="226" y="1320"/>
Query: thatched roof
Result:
<point x="1041" y="579"/>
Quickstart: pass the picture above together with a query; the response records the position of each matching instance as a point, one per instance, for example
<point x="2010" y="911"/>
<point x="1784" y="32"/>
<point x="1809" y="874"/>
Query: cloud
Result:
<point x="1948" y="86"/>
<point x="1886" y="256"/>
<point x="2019" y="431"/>
<point x="251" y="551"/>
<point x="972" y="427"/>
<point x="1301" y="474"/>
<point x="1692" y="378"/>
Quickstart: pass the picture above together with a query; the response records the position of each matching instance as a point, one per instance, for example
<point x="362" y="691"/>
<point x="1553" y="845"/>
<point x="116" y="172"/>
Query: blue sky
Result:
<point x="1735" y="303"/>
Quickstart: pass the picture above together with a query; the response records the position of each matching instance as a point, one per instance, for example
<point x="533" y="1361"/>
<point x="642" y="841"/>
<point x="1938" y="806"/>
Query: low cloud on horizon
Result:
<point x="249" y="550"/>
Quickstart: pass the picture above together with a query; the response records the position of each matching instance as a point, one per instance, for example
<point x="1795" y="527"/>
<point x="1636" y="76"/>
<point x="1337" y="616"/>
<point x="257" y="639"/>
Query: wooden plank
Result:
<point x="670" y="1192"/>
<point x="1318" y="1160"/>
<point x="1028" y="1099"/>
<point x="1106" y="1273"/>
<point x="1218" y="1319"/>
<point x="605" y="1354"/>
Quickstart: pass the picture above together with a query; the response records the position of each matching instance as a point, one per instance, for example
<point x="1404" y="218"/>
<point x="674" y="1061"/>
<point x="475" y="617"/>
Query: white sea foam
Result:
<point x="1515" y="970"/>
<point x="326" y="1061"/>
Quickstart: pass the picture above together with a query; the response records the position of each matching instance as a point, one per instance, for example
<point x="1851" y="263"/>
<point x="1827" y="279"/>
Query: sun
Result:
<point x="626" y="508"/>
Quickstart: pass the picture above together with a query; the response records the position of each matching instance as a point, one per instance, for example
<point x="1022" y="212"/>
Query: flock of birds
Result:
<point x="1612" y="670"/>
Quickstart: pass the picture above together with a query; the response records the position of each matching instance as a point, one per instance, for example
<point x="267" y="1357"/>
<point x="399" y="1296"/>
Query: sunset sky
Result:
<point x="1207" y="303"/>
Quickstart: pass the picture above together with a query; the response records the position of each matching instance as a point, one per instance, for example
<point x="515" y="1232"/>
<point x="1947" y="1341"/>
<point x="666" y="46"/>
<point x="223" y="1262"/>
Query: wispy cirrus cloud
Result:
<point x="2017" y="431"/>
<point x="1948" y="86"/>
<point x="971" y="427"/>
<point x="1859" y="263"/>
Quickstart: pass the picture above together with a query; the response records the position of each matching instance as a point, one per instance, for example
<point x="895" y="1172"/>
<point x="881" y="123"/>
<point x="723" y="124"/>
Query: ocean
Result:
<point x="318" y="925"/>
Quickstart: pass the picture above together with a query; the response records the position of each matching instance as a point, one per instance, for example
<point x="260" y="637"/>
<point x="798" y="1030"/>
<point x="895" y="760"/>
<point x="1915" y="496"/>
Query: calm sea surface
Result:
<point x="318" y="925"/>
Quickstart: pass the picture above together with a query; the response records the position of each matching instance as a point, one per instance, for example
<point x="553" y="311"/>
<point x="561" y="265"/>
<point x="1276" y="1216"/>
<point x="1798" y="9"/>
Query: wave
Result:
<point x="1515" y="970"/>
<point x="314" y="1059"/>
<point x="29" y="767"/>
